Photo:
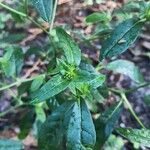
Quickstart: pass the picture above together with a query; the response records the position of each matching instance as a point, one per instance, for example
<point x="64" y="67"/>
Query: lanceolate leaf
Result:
<point x="45" y="8"/>
<point x="68" y="45"/>
<point x="51" y="88"/>
<point x="81" y="131"/>
<point x="136" y="135"/>
<point x="7" y="144"/>
<point x="69" y="127"/>
<point x="127" y="68"/>
<point x="122" y="37"/>
<point x="98" y="17"/>
<point x="51" y="134"/>
<point x="98" y="81"/>
<point x="106" y="123"/>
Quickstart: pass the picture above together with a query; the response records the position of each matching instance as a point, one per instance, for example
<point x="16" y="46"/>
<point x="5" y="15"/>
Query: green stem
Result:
<point x="26" y="6"/>
<point x="23" y="15"/>
<point x="137" y="88"/>
<point x="53" y="16"/>
<point x="12" y="10"/>
<point x="131" y="109"/>
<point x="20" y="81"/>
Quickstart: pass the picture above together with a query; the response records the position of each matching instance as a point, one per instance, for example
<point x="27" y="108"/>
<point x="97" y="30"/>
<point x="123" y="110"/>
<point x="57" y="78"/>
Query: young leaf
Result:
<point x="98" y="17"/>
<point x="37" y="83"/>
<point x="81" y="131"/>
<point x="51" y="88"/>
<point x="84" y="76"/>
<point x="106" y="123"/>
<point x="45" y="8"/>
<point x="127" y="68"/>
<point x="7" y="144"/>
<point x="141" y="136"/>
<point x="68" y="45"/>
<point x="121" y="38"/>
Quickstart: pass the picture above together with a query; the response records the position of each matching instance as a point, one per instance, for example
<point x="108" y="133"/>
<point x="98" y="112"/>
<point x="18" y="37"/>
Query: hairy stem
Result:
<point x="131" y="109"/>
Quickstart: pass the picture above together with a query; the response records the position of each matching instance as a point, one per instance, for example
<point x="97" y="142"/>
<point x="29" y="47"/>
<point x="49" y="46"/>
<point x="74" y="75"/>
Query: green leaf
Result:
<point x="26" y="122"/>
<point x="127" y="68"/>
<point x="69" y="127"/>
<point x="114" y="143"/>
<point x="51" y="133"/>
<point x="12" y="61"/>
<point x="98" y="81"/>
<point x="81" y="131"/>
<point x="106" y="123"/>
<point x="45" y="8"/>
<point x="98" y="17"/>
<point x="68" y="45"/>
<point x="40" y="118"/>
<point x="7" y="144"/>
<point x="19" y="58"/>
<point x="141" y="136"/>
<point x="84" y="76"/>
<point x="53" y="87"/>
<point x="37" y="83"/>
<point x="121" y="38"/>
<point x="8" y="62"/>
<point x="97" y="96"/>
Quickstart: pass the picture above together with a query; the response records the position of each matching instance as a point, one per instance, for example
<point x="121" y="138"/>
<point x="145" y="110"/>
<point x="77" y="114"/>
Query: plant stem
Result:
<point x="23" y="15"/>
<point x="12" y="10"/>
<point x="53" y="16"/>
<point x="137" y="88"/>
<point x="20" y="81"/>
<point x="131" y="109"/>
